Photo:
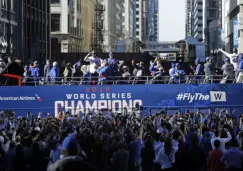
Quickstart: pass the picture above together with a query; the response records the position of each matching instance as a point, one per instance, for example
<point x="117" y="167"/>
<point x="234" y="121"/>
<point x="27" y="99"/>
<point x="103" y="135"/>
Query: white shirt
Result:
<point x="223" y="141"/>
<point x="164" y="160"/>
<point x="234" y="59"/>
<point x="94" y="62"/>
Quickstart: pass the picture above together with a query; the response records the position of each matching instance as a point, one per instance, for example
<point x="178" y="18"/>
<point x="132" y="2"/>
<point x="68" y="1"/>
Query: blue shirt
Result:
<point x="113" y="63"/>
<point x="135" y="149"/>
<point x="233" y="158"/>
<point x="34" y="71"/>
<point x="157" y="148"/>
<point x="54" y="73"/>
<point x="199" y="69"/>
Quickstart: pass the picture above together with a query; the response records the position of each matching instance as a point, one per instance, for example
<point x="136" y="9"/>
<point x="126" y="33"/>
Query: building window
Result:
<point x="212" y="13"/>
<point x="199" y="3"/>
<point x="200" y="10"/>
<point x="212" y="4"/>
<point x="137" y="26"/>
<point x="4" y="4"/>
<point x="137" y="5"/>
<point x="55" y="22"/>
<point x="137" y="33"/>
<point x="137" y="12"/>
<point x="55" y="1"/>
<point x="137" y="19"/>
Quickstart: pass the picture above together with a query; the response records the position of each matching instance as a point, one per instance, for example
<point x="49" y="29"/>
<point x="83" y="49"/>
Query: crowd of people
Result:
<point x="122" y="142"/>
<point x="94" y="70"/>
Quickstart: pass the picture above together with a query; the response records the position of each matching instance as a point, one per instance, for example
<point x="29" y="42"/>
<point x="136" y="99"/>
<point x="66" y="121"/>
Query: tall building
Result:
<point x="211" y="24"/>
<point x="112" y="28"/>
<point x="152" y="19"/>
<point x="87" y="19"/>
<point x="127" y="17"/>
<point x="8" y="27"/>
<point x="233" y="25"/>
<point x="25" y="29"/>
<point x="138" y="22"/>
<point x="66" y="26"/>
<point x="36" y="28"/>
<point x="210" y="13"/>
<point x="188" y="17"/>
<point x="197" y="19"/>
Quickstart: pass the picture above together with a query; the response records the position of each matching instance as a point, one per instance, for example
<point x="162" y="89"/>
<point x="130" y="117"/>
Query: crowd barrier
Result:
<point x="83" y="99"/>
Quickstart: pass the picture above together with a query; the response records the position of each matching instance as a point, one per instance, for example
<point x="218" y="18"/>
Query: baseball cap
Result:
<point x="37" y="129"/>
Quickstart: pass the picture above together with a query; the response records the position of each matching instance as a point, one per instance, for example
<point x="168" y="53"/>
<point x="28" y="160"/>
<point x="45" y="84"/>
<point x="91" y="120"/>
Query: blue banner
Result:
<point x="235" y="33"/>
<point x="82" y="99"/>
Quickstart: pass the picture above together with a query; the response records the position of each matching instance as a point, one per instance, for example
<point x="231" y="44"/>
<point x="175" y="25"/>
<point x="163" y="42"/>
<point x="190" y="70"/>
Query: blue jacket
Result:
<point x="199" y="69"/>
<point x="86" y="77"/>
<point x="241" y="64"/>
<point x="34" y="72"/>
<point x="113" y="63"/>
<point x="54" y="73"/>
<point x="104" y="72"/>
<point x="152" y="69"/>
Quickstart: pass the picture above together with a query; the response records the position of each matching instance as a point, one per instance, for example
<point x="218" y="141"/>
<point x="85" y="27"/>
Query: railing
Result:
<point x="10" y="76"/>
<point x="189" y="79"/>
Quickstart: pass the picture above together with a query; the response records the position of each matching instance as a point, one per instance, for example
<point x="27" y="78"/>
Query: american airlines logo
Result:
<point x="218" y="96"/>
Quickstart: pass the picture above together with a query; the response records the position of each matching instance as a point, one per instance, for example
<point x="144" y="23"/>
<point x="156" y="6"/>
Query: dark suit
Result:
<point x="120" y="160"/>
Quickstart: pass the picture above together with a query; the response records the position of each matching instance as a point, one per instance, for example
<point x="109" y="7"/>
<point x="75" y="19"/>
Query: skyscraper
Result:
<point x="138" y="19"/>
<point x="112" y="28"/>
<point x="197" y="19"/>
<point x="66" y="27"/>
<point x="33" y="30"/>
<point x="127" y="18"/>
<point x="8" y="27"/>
<point x="188" y="17"/>
<point x="152" y="18"/>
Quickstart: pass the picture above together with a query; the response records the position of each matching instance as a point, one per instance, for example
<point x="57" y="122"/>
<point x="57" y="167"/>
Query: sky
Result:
<point x="171" y="20"/>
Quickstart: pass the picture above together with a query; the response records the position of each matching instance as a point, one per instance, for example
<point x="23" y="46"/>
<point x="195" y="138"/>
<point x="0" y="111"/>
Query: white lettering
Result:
<point x="58" y="104"/>
<point x="87" y="106"/>
<point x="90" y="107"/>
<point x="102" y="104"/>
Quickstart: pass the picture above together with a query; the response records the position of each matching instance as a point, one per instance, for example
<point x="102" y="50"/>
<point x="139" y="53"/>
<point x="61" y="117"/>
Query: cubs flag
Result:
<point x="218" y="96"/>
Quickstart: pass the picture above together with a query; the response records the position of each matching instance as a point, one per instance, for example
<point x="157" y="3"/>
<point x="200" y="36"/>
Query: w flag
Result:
<point x="218" y="96"/>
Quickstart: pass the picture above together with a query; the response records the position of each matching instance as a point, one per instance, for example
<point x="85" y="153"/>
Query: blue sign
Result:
<point x="235" y="33"/>
<point x="222" y="37"/>
<point x="83" y="99"/>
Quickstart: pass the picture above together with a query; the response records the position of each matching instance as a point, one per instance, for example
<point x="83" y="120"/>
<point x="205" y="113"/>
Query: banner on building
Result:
<point x="83" y="99"/>
<point x="73" y="13"/>
<point x="222" y="37"/>
<point x="235" y="33"/>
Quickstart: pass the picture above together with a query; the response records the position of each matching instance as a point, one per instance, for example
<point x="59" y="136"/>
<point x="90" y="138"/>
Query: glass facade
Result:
<point x="153" y="20"/>
<point x="36" y="30"/>
<point x="8" y="26"/>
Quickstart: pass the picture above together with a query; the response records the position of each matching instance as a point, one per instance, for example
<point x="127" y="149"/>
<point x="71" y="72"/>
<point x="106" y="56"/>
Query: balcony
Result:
<point x="197" y="14"/>
<point x="197" y="28"/>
